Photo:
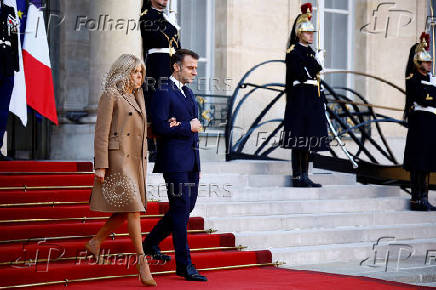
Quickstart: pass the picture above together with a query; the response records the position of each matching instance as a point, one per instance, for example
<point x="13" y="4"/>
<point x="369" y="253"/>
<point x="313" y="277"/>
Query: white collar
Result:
<point x="169" y="16"/>
<point x="160" y="10"/>
<point x="178" y="84"/>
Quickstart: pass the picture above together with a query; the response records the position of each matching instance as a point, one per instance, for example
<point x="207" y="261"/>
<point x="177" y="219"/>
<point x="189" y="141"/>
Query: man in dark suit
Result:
<point x="178" y="159"/>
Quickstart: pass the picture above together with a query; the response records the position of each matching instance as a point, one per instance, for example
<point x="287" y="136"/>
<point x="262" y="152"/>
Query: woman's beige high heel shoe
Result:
<point x="144" y="271"/>
<point x="94" y="249"/>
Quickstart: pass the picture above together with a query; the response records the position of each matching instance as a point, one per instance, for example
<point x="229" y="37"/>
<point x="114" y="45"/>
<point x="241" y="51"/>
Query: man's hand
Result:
<point x="173" y="122"/>
<point x="100" y="174"/>
<point x="195" y="125"/>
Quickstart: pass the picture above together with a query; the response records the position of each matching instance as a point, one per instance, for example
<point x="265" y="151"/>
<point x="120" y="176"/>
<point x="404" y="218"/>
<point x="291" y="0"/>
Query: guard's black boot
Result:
<point x="305" y="170"/>
<point x="419" y="186"/>
<point x="418" y="205"/>
<point x="424" y="199"/>
<point x="309" y="182"/>
<point x="297" y="181"/>
<point x="296" y="169"/>
<point x="430" y="207"/>
<point x="5" y="158"/>
<point x="415" y="200"/>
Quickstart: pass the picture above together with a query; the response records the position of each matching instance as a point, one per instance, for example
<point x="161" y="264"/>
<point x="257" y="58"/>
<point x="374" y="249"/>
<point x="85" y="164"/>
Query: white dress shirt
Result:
<point x="179" y="85"/>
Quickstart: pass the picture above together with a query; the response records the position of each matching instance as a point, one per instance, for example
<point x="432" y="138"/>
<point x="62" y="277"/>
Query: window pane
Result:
<point x="192" y="16"/>
<point x="336" y="4"/>
<point x="336" y="80"/>
<point x="335" y="38"/>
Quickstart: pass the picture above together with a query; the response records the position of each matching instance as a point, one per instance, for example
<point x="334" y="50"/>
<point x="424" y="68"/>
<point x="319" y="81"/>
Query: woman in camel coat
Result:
<point x="120" y="157"/>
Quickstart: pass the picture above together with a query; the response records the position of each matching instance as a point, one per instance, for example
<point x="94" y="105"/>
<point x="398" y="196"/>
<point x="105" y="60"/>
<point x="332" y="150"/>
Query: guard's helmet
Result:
<point x="421" y="51"/>
<point x="303" y="23"/>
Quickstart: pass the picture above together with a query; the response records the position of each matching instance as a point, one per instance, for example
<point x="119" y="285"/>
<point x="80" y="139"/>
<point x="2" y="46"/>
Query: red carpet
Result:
<point x="33" y="233"/>
<point x="265" y="278"/>
<point x="26" y="220"/>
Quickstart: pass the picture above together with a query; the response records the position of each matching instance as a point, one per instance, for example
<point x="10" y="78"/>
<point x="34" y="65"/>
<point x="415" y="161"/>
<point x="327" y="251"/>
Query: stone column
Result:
<point x="113" y="29"/>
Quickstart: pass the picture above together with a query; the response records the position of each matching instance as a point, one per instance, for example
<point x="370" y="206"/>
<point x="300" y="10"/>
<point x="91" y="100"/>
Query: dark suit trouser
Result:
<point x="182" y="190"/>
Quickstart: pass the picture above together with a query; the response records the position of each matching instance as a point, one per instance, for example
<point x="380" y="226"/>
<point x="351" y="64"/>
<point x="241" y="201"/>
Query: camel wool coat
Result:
<point x="120" y="146"/>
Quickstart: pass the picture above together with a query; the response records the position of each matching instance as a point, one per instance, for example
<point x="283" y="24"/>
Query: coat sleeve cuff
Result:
<point x="101" y="161"/>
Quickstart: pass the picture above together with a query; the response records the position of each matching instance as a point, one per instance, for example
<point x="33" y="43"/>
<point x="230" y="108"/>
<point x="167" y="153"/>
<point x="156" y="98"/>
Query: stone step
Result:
<point x="256" y="208"/>
<point x="243" y="166"/>
<point x="339" y="235"/>
<point x="257" y="180"/>
<point x="430" y="284"/>
<point x="414" y="269"/>
<point x="317" y="221"/>
<point x="209" y="193"/>
<point x="302" y="257"/>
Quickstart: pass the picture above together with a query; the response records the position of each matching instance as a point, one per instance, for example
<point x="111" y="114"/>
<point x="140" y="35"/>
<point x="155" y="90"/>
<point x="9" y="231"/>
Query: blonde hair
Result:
<point x="118" y="76"/>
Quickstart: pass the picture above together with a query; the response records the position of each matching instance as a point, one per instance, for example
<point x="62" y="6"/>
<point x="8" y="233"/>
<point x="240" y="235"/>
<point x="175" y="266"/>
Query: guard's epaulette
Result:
<point x="291" y="48"/>
<point x="144" y="12"/>
<point x="409" y="77"/>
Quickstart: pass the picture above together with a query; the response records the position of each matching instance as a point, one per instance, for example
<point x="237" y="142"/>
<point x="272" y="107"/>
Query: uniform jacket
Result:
<point x="423" y="94"/>
<point x="177" y="147"/>
<point x="304" y="116"/>
<point x="301" y="65"/>
<point x="157" y="32"/>
<point x="8" y="41"/>
<point x="419" y="152"/>
<point x="120" y="145"/>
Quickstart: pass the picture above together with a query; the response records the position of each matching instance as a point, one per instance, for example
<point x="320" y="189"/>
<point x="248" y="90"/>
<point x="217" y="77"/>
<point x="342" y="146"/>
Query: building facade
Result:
<point x="231" y="36"/>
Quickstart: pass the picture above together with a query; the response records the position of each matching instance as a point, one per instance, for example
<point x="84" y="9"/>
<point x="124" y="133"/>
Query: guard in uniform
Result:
<point x="420" y="113"/>
<point x="8" y="63"/>
<point x="160" y="40"/>
<point x="305" y="124"/>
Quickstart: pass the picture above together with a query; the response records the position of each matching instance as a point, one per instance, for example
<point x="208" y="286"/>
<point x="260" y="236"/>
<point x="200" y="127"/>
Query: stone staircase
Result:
<point x="343" y="222"/>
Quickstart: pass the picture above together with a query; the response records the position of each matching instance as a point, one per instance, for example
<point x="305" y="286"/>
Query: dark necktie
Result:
<point x="189" y="98"/>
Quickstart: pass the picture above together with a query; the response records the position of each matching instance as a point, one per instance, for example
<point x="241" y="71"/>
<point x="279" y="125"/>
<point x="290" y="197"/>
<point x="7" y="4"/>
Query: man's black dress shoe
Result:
<point x="189" y="273"/>
<point x="156" y="254"/>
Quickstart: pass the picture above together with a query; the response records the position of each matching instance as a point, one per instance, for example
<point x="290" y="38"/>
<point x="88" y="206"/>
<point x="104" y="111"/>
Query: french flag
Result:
<point x="18" y="97"/>
<point x="37" y="68"/>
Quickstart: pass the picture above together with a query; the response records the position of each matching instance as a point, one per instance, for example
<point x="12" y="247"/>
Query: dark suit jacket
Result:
<point x="177" y="147"/>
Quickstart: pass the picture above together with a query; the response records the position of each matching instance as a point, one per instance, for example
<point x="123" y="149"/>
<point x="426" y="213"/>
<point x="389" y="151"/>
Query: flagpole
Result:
<point x="318" y="25"/>
<point x="432" y="31"/>
<point x="318" y="43"/>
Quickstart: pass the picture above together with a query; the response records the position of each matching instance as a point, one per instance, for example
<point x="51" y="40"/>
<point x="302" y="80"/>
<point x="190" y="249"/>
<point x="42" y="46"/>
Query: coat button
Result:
<point x="128" y="155"/>
<point x="130" y="113"/>
<point x="128" y="134"/>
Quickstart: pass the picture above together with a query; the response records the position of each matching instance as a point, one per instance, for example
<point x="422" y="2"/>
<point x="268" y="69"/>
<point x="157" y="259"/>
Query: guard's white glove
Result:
<point x="319" y="56"/>
<point x="432" y="79"/>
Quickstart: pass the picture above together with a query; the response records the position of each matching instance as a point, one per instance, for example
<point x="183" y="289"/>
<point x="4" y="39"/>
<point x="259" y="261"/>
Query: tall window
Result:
<point x="196" y="17"/>
<point x="335" y="37"/>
